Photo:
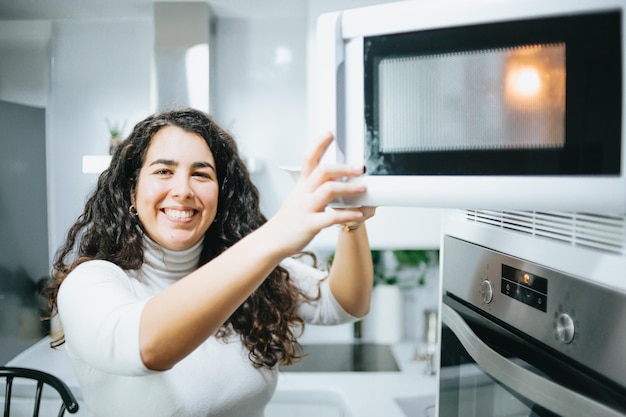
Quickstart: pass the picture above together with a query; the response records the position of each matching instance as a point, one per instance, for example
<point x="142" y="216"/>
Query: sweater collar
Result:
<point x="174" y="264"/>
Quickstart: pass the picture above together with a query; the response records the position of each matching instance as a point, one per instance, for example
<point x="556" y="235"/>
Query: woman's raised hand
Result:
<point x="305" y="212"/>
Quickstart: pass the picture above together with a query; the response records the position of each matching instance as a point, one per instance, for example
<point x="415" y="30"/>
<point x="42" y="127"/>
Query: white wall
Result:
<point x="260" y="96"/>
<point x="101" y="70"/>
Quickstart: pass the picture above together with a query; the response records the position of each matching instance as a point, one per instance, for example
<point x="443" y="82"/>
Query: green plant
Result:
<point x="115" y="131"/>
<point x="381" y="276"/>
<point x="408" y="269"/>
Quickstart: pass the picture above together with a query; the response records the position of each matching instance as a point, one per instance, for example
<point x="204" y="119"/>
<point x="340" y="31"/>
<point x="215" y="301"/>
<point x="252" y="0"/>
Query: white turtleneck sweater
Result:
<point x="100" y="306"/>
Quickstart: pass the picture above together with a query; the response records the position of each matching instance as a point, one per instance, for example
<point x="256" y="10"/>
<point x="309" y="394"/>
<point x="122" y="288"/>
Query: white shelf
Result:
<point x="95" y="164"/>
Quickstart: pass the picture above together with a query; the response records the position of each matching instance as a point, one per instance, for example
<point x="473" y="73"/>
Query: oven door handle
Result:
<point x="544" y="392"/>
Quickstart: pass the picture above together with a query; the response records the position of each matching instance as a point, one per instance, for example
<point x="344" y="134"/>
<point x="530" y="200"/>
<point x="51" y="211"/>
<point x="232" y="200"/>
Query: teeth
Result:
<point x="179" y="214"/>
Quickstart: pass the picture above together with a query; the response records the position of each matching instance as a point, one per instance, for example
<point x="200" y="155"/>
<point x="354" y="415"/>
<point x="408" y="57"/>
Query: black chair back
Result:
<point x="68" y="403"/>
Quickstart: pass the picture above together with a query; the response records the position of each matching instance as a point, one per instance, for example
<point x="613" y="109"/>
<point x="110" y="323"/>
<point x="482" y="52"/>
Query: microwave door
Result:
<point x="517" y="111"/>
<point x="544" y="393"/>
<point x="330" y="65"/>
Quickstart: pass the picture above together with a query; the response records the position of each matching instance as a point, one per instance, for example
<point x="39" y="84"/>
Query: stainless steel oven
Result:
<point x="523" y="339"/>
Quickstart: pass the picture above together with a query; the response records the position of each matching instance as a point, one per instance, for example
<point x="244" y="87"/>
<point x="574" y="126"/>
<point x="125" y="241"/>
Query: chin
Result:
<point x="180" y="244"/>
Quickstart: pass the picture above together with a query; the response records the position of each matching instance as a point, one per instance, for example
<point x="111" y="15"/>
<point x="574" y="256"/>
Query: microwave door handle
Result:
<point x="544" y="392"/>
<point x="330" y="79"/>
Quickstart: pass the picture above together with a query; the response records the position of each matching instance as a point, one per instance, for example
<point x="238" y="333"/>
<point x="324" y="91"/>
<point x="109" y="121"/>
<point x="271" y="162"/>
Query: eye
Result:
<point x="203" y="175"/>
<point x="163" y="172"/>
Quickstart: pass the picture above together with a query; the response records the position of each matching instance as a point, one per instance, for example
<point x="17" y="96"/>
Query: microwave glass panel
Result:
<point x="506" y="98"/>
<point x="525" y="97"/>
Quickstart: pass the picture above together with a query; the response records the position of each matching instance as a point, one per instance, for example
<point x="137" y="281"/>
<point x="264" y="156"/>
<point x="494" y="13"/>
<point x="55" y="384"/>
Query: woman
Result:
<point x="177" y="297"/>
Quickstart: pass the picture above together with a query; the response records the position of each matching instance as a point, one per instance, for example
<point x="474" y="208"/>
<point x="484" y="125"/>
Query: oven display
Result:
<point x="523" y="286"/>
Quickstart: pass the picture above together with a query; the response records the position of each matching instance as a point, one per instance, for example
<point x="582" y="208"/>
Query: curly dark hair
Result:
<point x="267" y="320"/>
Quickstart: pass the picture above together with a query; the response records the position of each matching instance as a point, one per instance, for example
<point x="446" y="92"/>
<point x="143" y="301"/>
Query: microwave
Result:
<point x="488" y="104"/>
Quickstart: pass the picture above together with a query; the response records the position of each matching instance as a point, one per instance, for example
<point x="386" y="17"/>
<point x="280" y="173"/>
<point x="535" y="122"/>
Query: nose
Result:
<point x="181" y="187"/>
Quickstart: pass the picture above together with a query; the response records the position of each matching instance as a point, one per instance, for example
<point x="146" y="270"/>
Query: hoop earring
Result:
<point x="133" y="210"/>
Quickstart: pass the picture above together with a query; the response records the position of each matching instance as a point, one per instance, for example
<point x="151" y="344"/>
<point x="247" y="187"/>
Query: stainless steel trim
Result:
<point x="537" y="389"/>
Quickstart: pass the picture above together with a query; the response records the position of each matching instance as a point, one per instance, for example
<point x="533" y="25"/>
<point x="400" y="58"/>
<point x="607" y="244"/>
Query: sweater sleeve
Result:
<point x="324" y="309"/>
<point x="100" y="314"/>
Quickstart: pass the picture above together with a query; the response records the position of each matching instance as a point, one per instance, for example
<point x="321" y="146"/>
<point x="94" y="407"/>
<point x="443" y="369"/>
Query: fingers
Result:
<point x="332" y="190"/>
<point x="366" y="211"/>
<point x="332" y="217"/>
<point x="319" y="184"/>
<point x="314" y="156"/>
<point x="306" y="211"/>
<point x="329" y="172"/>
<point x="335" y="172"/>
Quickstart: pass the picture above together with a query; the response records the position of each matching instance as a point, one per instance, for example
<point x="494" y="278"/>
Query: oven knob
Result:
<point x="565" y="328"/>
<point x="486" y="291"/>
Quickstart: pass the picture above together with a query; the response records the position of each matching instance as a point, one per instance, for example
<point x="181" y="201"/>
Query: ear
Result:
<point x="133" y="195"/>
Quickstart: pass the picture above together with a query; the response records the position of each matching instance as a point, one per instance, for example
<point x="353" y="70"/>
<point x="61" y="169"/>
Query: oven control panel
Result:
<point x="524" y="286"/>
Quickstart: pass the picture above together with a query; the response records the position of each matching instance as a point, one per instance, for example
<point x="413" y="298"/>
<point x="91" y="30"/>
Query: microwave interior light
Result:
<point x="524" y="82"/>
<point x="535" y="76"/>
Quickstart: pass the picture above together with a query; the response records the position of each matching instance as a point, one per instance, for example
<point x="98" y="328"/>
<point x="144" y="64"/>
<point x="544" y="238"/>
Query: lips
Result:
<point x="179" y="214"/>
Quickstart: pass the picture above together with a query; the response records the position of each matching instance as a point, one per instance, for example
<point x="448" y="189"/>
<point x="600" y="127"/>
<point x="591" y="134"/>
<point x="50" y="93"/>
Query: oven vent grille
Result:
<point x="601" y="232"/>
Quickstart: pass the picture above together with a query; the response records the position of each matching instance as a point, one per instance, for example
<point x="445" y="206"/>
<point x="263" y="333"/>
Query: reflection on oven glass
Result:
<point x="478" y="394"/>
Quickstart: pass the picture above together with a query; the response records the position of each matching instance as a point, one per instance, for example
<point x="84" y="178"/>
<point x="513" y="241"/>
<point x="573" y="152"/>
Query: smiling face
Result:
<point x="177" y="190"/>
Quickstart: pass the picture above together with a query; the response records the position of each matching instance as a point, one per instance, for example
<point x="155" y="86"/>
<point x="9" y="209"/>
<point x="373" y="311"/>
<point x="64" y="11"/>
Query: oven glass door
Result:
<point x="488" y="371"/>
<point x="530" y="97"/>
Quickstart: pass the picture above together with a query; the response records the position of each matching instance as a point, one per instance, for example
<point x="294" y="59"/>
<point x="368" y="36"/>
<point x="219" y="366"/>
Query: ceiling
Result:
<point x="68" y="9"/>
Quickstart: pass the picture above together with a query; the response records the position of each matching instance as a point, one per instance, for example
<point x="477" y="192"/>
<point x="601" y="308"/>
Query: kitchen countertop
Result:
<point x="363" y="394"/>
<point x="374" y="394"/>
<point x="345" y="357"/>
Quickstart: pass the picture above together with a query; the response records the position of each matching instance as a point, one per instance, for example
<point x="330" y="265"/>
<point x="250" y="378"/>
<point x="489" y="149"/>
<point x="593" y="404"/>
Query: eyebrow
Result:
<point x="203" y="164"/>
<point x="170" y="162"/>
